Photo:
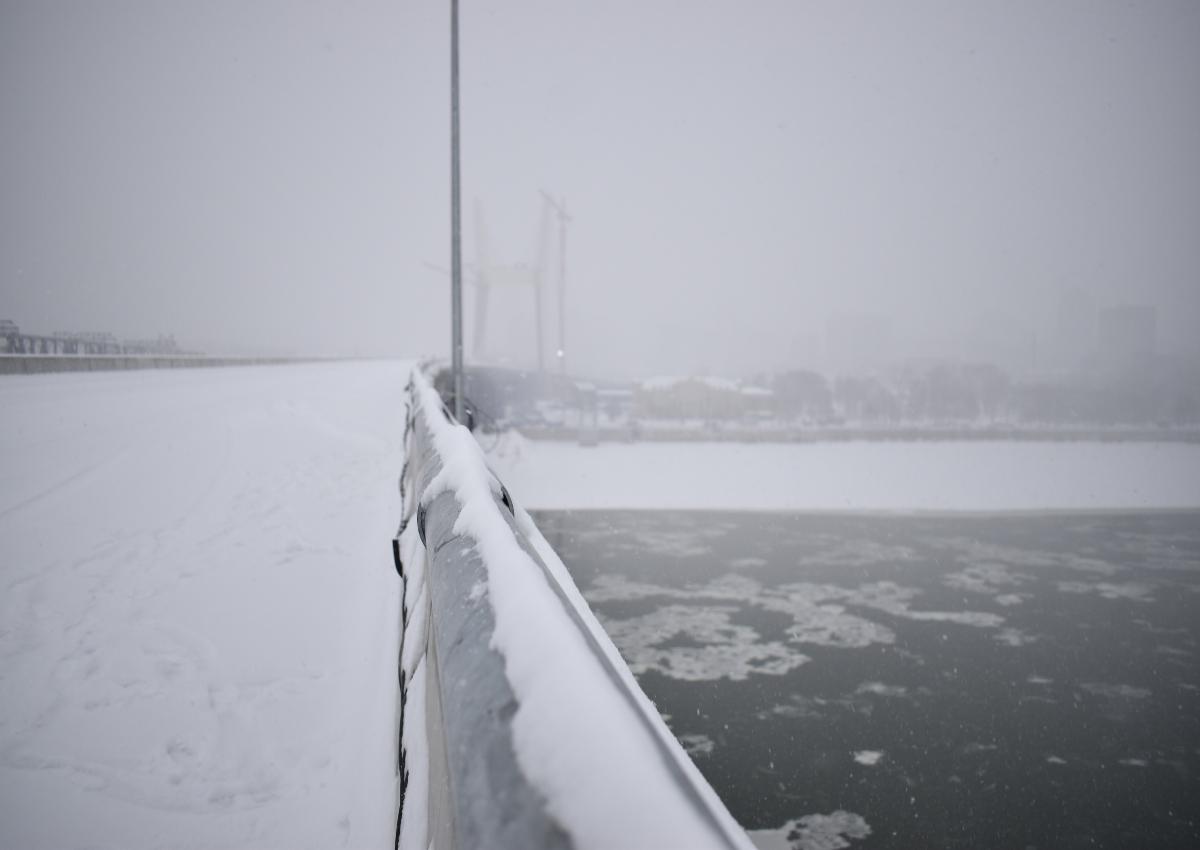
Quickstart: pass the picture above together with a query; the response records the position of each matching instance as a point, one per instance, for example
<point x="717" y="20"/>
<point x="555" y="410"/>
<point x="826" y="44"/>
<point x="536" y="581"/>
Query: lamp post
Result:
<point x="456" y="338"/>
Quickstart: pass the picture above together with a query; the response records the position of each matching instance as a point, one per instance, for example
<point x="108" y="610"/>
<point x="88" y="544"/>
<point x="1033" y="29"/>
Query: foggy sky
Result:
<point x="274" y="176"/>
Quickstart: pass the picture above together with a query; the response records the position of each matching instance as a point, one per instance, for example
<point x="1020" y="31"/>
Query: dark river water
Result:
<point x="929" y="681"/>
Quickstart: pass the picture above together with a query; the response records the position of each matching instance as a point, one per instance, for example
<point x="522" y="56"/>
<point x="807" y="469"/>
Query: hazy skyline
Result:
<point x="275" y="176"/>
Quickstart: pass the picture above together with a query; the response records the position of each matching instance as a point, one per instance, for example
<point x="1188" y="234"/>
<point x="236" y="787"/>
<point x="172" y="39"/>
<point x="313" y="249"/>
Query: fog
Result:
<point x="752" y="186"/>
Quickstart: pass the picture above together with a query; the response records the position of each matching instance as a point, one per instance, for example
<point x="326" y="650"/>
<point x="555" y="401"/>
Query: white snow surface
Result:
<point x="851" y="476"/>
<point x="199" y="618"/>
<point x="589" y="752"/>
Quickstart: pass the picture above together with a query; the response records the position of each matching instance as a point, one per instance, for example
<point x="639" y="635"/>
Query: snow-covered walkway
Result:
<point x="199" y="613"/>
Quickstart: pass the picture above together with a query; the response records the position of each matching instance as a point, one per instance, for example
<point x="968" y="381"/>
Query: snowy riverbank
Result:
<point x="199" y="615"/>
<point x="924" y="476"/>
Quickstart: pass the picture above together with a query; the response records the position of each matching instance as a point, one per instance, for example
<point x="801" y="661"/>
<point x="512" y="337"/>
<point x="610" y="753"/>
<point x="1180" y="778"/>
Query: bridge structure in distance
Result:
<point x="15" y="341"/>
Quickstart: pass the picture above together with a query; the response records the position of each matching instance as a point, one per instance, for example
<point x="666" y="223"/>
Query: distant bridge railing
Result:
<point x="520" y="726"/>
<point x="33" y="364"/>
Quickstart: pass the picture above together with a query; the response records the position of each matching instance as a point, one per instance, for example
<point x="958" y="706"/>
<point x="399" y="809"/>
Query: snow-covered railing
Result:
<point x="521" y="725"/>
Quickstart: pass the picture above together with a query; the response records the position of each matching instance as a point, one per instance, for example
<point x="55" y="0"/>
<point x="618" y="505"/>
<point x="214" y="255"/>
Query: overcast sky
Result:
<point x="274" y="176"/>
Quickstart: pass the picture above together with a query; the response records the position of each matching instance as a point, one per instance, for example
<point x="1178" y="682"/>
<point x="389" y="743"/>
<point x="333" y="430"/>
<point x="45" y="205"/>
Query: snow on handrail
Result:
<point x="522" y="725"/>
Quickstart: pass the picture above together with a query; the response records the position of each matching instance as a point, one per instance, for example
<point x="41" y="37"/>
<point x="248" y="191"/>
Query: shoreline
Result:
<point x="913" y="434"/>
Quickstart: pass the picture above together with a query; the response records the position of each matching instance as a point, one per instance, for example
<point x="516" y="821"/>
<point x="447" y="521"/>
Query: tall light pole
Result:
<point x="456" y="337"/>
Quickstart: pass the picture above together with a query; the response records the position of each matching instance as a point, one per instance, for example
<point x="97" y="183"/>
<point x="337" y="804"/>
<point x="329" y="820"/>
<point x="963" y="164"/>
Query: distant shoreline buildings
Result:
<point x="1129" y="387"/>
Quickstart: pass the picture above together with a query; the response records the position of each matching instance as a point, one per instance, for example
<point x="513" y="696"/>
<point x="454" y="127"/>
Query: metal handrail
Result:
<point x="485" y="794"/>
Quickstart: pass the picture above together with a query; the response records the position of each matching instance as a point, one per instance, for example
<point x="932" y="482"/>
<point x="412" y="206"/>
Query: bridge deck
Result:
<point x="198" y="615"/>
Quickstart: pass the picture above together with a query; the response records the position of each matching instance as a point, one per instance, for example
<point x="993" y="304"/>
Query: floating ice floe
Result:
<point x="1017" y="556"/>
<point x="989" y="578"/>
<point x="833" y="831"/>
<point x="681" y="543"/>
<point x="798" y="708"/>
<point x="975" y="747"/>
<point x="869" y="758"/>
<point x="894" y="599"/>
<point x="819" y="611"/>
<point x="1109" y="590"/>
<point x="697" y="744"/>
<point x="712" y="646"/>
<point x="842" y="552"/>
<point x="1112" y="691"/>
<point x="1013" y="637"/>
<point x="880" y="689"/>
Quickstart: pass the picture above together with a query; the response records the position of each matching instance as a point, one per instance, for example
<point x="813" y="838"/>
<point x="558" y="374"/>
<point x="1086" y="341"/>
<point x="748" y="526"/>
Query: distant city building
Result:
<point x="1127" y="335"/>
<point x="615" y="402"/>
<point x="758" y="402"/>
<point x="801" y="393"/>
<point x="1073" y="340"/>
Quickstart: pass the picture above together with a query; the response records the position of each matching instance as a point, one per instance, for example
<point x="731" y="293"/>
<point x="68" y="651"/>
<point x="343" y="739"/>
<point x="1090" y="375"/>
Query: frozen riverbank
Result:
<point x="199" y="615"/>
<point x="925" y="476"/>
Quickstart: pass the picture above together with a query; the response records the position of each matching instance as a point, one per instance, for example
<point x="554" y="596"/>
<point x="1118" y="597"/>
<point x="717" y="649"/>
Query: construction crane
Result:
<point x="485" y="274"/>
<point x="490" y="274"/>
<point x="564" y="218"/>
<point x="472" y="278"/>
